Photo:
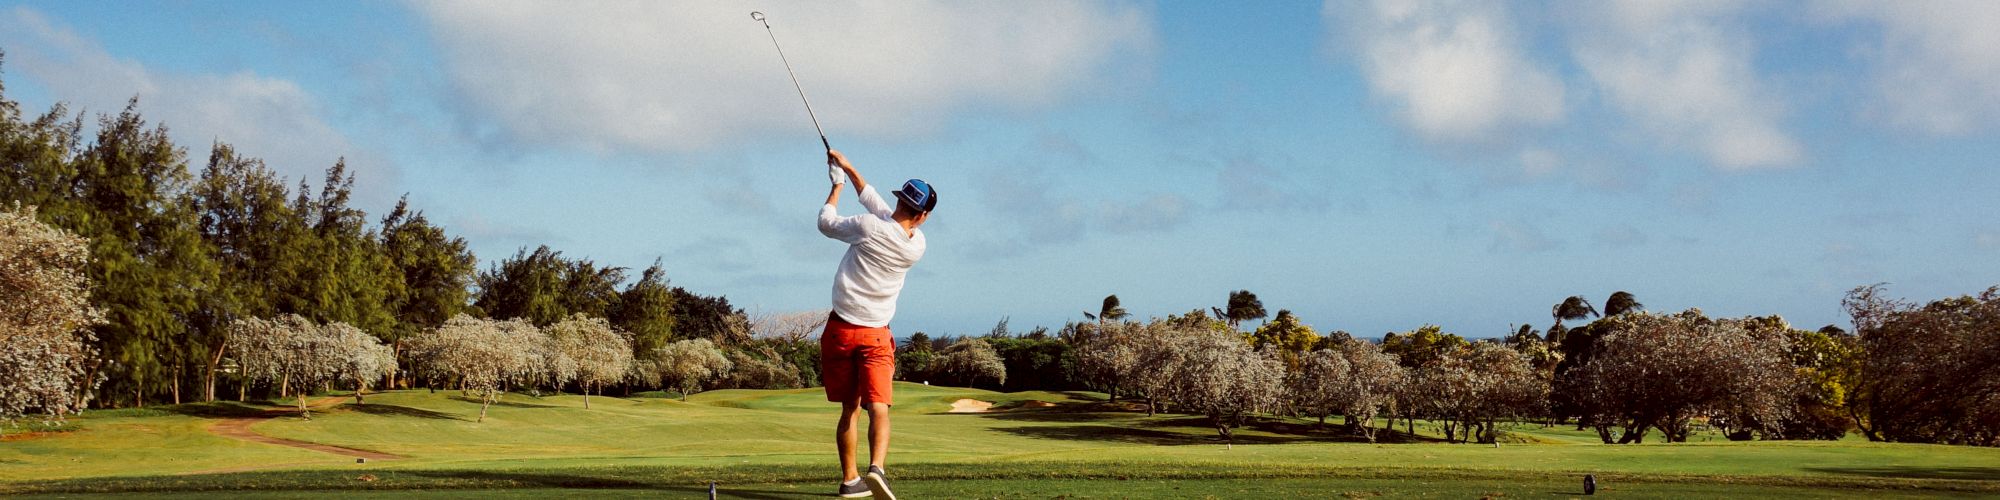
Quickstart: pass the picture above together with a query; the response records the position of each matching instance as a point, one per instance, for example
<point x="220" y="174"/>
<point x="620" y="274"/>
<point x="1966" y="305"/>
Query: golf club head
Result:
<point x="756" y="16"/>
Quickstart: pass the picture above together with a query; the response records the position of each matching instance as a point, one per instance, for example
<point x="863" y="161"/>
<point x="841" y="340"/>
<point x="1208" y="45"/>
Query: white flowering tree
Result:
<point x="45" y="318"/>
<point x="483" y="355"/>
<point x="292" y="351"/>
<point x="1314" y="385"/>
<point x="1369" y="385"/>
<point x="600" y="354"/>
<point x="1471" y="387"/>
<point x="971" y="361"/>
<point x="1658" y="371"/>
<point x="687" y="365"/>
<point x="362" y="357"/>
<point x="1220" y="376"/>
<point x="1107" y="354"/>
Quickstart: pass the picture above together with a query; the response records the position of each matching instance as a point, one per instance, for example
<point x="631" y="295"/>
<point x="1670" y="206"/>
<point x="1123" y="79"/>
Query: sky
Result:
<point x="1372" y="166"/>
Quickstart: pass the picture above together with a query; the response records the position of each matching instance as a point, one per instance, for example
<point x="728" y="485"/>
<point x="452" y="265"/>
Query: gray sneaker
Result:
<point x="857" y="490"/>
<point x="878" y="483"/>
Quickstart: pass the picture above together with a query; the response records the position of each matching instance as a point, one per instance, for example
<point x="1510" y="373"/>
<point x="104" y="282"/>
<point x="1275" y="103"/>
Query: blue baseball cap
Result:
<point x="918" y="194"/>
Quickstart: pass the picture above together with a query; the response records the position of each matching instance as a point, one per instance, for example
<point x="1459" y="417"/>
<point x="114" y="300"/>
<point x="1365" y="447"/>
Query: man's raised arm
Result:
<point x="870" y="201"/>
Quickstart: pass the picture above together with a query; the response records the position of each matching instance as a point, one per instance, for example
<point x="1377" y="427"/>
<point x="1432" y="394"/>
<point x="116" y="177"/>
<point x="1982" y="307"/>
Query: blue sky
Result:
<point x="1372" y="166"/>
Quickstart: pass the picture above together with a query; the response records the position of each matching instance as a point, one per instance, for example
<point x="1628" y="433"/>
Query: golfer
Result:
<point x="856" y="352"/>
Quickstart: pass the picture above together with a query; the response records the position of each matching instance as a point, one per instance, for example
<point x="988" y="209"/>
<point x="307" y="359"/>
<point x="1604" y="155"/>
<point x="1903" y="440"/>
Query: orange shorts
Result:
<point x="856" y="362"/>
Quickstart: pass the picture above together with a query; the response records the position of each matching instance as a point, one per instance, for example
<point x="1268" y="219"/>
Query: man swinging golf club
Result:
<point x="857" y="353"/>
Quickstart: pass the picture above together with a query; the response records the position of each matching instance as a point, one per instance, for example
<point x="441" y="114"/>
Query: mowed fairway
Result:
<point x="775" y="444"/>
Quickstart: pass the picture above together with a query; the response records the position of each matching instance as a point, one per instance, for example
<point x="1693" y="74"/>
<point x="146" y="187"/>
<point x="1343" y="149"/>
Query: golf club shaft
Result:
<point x="795" y="83"/>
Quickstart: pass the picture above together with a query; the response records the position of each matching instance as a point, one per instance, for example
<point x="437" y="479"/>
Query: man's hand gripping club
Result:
<point x="839" y="171"/>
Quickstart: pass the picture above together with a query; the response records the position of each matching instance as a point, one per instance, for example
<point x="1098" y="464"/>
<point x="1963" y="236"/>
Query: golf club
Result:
<point x="759" y="17"/>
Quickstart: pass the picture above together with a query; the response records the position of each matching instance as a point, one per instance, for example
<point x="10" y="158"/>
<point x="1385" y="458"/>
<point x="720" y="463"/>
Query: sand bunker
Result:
<point x="970" y="406"/>
<point x="977" y="406"/>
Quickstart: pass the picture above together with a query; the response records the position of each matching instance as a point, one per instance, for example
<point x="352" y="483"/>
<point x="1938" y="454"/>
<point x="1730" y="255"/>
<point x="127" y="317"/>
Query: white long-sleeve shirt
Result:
<point x="878" y="256"/>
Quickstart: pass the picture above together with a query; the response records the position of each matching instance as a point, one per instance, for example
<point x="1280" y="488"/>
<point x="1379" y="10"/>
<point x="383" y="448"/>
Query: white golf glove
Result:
<point x="833" y="172"/>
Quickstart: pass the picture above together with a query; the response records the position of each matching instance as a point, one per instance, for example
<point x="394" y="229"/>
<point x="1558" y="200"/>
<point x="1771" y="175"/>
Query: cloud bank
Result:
<point x="266" y="117"/>
<point x="676" y="76"/>
<point x="1454" y="71"/>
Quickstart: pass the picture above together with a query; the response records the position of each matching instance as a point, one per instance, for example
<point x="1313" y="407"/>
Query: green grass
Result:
<point x="773" y="444"/>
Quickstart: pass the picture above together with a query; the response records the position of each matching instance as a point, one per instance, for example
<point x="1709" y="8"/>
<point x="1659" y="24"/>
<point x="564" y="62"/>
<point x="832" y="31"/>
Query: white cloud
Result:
<point x="677" y="76"/>
<point x="1937" y="63"/>
<point x="269" y="118"/>
<point x="1454" y="69"/>
<point x="1685" y="74"/>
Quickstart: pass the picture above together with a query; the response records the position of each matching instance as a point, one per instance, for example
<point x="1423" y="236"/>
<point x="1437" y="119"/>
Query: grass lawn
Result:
<point x="773" y="444"/>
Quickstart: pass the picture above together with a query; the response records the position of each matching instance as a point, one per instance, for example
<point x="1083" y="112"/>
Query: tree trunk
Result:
<point x="83" y="394"/>
<point x="284" y="387"/>
<point x="174" y="384"/>
<point x="303" y="412"/>
<point x="360" y="385"/>
<point x="208" y="393"/>
<point x="586" y="395"/>
<point x="484" y="401"/>
<point x="1866" y="430"/>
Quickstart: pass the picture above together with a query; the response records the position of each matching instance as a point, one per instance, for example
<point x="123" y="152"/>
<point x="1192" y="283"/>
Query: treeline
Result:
<point x="168" y="254"/>
<point x="1909" y="373"/>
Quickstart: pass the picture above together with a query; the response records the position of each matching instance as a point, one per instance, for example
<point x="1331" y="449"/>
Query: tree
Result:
<point x="292" y="350"/>
<point x="699" y="316"/>
<point x="341" y="273"/>
<point x="1315" y="384"/>
<point x="971" y="360"/>
<point x="1110" y="311"/>
<point x="1108" y="353"/>
<point x="1242" y="306"/>
<point x="249" y="230"/>
<point x="1372" y="380"/>
<point x="687" y="365"/>
<point x="1284" y="333"/>
<point x="1621" y="302"/>
<point x="483" y="355"/>
<point x="1421" y="347"/>
<point x="526" y="286"/>
<point x="46" y="319"/>
<point x="1472" y="387"/>
<point x="601" y="354"/>
<point x="434" y="269"/>
<point x="1573" y="308"/>
<point x="646" y="310"/>
<point x="131" y="185"/>
<point x="361" y="357"/>
<point x="1925" y="372"/>
<point x="1223" y="378"/>
<point x="1664" y="371"/>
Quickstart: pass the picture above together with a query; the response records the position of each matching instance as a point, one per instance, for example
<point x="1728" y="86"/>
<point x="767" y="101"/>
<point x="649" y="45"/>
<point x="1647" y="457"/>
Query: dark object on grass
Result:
<point x="1589" y="484"/>
<point x="360" y="460"/>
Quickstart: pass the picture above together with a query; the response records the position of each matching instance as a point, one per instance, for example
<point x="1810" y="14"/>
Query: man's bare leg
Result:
<point x="878" y="433"/>
<point x="844" y="436"/>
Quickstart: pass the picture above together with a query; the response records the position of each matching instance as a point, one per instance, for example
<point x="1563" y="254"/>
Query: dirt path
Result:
<point x="239" y="428"/>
